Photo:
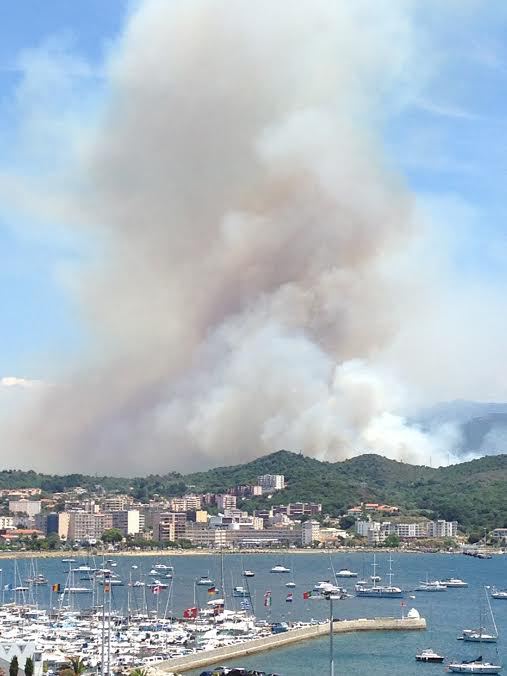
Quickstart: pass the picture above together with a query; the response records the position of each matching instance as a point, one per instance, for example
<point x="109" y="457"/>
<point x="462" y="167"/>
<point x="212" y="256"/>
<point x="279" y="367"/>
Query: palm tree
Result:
<point x="77" y="666"/>
<point x="139" y="671"/>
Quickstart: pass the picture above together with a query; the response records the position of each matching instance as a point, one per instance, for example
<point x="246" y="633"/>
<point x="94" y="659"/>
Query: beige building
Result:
<point x="188" y="503"/>
<point x="226" y="501"/>
<point x="86" y="526"/>
<point x="310" y="532"/>
<point x="169" y="526"/>
<point x="24" y="506"/>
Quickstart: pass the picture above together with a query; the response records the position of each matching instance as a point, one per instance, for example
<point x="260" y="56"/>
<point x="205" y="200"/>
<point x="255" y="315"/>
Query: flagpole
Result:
<point x="331" y="654"/>
<point x="103" y="647"/>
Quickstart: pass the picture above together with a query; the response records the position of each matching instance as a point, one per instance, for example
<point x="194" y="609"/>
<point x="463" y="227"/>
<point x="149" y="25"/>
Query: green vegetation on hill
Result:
<point x="472" y="493"/>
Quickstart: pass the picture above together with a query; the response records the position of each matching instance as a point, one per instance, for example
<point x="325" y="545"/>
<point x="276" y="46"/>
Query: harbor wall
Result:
<point x="273" y="641"/>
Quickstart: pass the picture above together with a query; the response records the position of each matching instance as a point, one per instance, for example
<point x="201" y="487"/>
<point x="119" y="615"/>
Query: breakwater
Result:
<point x="211" y="657"/>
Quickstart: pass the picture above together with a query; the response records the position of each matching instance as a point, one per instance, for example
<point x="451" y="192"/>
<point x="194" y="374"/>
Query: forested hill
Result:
<point x="473" y="493"/>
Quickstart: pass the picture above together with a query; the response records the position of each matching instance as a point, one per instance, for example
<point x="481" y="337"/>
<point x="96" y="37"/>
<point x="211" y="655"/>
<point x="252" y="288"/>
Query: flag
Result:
<point x="307" y="595"/>
<point x="190" y="613"/>
<point x="212" y="590"/>
<point x="55" y="587"/>
<point x="156" y="589"/>
<point x="289" y="598"/>
<point x="267" y="599"/>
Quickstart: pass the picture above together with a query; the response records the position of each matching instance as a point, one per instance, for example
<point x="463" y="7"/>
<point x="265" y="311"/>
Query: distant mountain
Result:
<point x="483" y="426"/>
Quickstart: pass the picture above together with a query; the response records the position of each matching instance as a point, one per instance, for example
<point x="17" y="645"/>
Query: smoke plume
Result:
<point x="253" y="243"/>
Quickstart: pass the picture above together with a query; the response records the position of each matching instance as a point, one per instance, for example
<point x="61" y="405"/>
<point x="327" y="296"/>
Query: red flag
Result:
<point x="190" y="613"/>
<point x="306" y="595"/>
<point x="156" y="589"/>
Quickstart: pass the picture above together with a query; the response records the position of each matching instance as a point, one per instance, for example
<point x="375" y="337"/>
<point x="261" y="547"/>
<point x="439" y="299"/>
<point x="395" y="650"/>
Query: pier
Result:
<point x="227" y="653"/>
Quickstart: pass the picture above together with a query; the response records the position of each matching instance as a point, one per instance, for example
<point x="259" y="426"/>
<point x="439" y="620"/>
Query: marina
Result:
<point x="145" y="621"/>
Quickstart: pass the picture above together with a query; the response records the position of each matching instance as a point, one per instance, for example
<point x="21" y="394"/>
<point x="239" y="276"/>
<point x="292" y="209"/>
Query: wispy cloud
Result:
<point x="15" y="381"/>
<point x="446" y="110"/>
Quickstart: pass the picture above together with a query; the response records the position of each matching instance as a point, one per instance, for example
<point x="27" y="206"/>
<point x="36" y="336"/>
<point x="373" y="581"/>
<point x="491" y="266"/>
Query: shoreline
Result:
<point x="84" y="553"/>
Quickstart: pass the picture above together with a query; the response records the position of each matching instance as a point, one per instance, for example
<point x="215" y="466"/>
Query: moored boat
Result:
<point x="429" y="655"/>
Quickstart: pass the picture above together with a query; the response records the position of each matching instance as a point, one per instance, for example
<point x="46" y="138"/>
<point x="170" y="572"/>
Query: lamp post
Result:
<point x="330" y="596"/>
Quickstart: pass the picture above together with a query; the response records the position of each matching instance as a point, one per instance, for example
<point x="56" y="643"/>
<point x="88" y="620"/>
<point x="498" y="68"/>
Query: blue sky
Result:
<point x="448" y="143"/>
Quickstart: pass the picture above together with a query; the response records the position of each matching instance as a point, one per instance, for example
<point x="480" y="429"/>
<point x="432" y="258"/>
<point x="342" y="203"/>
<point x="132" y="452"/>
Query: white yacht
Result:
<point x="429" y="655"/>
<point x="291" y="584"/>
<point x="454" y="583"/>
<point x="499" y="594"/>
<point x="280" y="569"/>
<point x="432" y="586"/>
<point x="248" y="573"/>
<point x="205" y="581"/>
<point x="346" y="573"/>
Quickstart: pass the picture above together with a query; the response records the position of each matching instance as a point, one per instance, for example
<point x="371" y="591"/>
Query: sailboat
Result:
<point x="388" y="591"/>
<point x="477" y="665"/>
<point x="481" y="635"/>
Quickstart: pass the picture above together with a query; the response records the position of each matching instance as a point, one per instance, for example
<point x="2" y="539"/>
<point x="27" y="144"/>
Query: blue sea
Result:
<point x="382" y="654"/>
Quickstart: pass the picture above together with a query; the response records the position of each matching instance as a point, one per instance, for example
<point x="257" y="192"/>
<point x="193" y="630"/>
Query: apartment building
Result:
<point x="126" y="520"/>
<point x="88" y="526"/>
<point x="24" y="506"/>
<point x="225" y="501"/>
<point x="310" y="532"/>
<point x="188" y="503"/>
<point x="169" y="526"/>
<point x="271" y="482"/>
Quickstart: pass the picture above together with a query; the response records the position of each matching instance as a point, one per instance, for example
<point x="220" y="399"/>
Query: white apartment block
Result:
<point x="23" y="506"/>
<point x="6" y="522"/>
<point x="410" y="530"/>
<point x="310" y="532"/>
<point x="127" y="520"/>
<point x="442" y="529"/>
<point x="271" y="482"/>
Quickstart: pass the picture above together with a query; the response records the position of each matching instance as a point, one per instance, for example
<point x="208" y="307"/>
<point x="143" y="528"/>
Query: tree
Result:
<point x="28" y="667"/>
<point x="347" y="522"/>
<point x="14" y="667"/>
<point x="139" y="671"/>
<point x="77" y="665"/>
<point x="112" y="536"/>
<point x="392" y="541"/>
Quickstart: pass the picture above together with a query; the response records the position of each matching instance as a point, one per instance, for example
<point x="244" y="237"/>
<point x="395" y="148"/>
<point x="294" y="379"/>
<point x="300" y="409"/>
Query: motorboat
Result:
<point x="162" y="566"/>
<point x="248" y="573"/>
<point x="291" y="584"/>
<point x="454" y="583"/>
<point x="499" y="594"/>
<point x="205" y="581"/>
<point x="429" y="655"/>
<point x="432" y="586"/>
<point x="280" y="569"/>
<point x="346" y="573"/>
<point x="77" y="590"/>
<point x="240" y="592"/>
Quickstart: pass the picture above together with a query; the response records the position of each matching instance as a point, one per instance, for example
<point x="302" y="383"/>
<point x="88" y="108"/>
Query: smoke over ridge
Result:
<point x="254" y="243"/>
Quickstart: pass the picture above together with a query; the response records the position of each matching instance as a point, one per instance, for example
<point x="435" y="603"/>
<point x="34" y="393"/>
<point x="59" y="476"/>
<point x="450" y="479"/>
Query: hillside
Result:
<point x="473" y="493"/>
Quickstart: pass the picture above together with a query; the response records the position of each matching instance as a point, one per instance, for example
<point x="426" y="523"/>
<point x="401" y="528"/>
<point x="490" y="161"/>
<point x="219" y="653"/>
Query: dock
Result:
<point x="227" y="653"/>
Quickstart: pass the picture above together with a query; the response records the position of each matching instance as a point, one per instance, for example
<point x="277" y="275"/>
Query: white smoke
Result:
<point x="254" y="242"/>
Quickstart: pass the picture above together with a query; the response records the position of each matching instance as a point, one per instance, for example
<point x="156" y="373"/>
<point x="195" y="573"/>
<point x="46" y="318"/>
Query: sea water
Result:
<point x="380" y="653"/>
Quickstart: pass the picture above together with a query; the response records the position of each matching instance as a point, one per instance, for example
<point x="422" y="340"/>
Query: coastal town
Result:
<point x="84" y="517"/>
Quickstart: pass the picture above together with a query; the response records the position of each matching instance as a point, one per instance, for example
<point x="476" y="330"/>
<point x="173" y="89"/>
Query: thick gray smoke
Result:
<point x="252" y="242"/>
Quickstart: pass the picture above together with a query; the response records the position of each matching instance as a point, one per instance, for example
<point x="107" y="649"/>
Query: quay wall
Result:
<point x="273" y="641"/>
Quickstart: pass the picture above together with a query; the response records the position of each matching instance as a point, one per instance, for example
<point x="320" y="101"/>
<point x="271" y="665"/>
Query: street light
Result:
<point x="329" y="596"/>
